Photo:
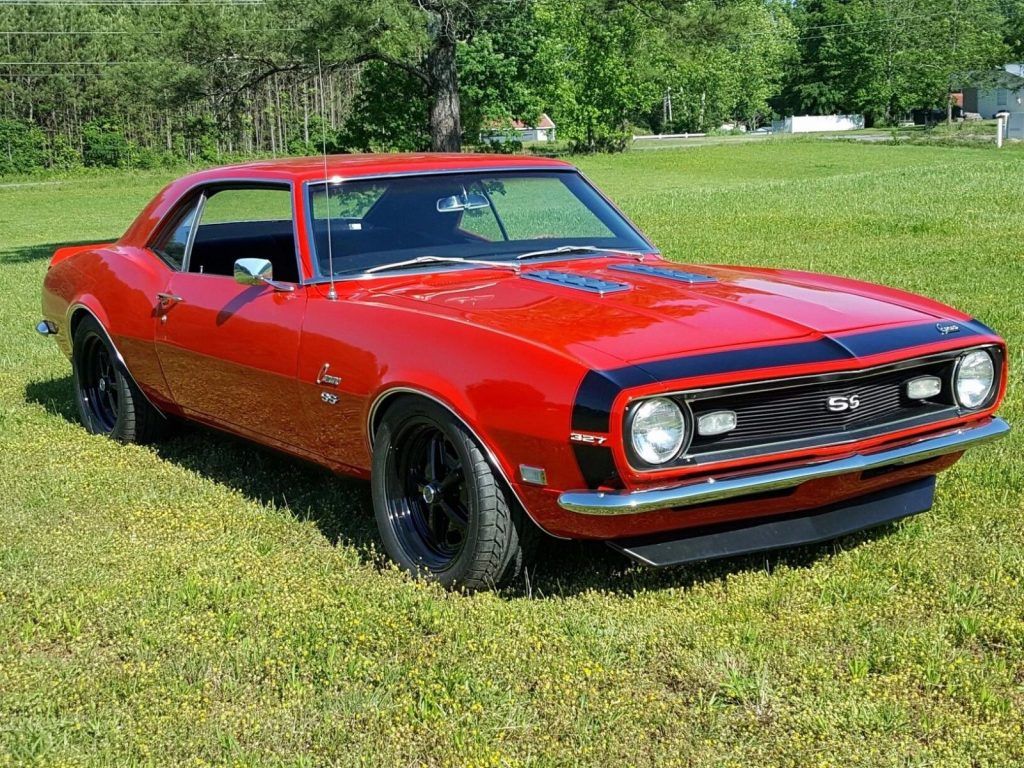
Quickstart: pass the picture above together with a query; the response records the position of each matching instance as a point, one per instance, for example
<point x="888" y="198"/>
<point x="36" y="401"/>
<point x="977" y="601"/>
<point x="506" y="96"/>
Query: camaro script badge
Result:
<point x="946" y="328"/>
<point x="840" y="403"/>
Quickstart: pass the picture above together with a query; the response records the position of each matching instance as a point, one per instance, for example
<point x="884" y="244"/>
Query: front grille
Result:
<point x="777" y="419"/>
<point x="773" y="417"/>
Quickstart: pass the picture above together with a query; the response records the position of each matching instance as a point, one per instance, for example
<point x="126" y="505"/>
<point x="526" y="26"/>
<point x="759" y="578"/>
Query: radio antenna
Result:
<point x="332" y="294"/>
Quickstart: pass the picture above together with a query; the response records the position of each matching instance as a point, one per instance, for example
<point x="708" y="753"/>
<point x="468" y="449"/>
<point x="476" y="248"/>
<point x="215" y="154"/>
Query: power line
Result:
<point x="89" y="32"/>
<point x="129" y="3"/>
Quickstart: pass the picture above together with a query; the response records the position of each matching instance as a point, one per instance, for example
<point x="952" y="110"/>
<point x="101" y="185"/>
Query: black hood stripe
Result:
<point x="599" y="389"/>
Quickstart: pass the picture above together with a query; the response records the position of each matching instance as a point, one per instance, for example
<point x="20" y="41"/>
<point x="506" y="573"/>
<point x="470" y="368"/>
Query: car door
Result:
<point x="229" y="351"/>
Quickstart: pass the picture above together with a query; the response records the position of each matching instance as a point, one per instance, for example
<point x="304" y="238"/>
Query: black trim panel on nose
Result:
<point x="598" y="389"/>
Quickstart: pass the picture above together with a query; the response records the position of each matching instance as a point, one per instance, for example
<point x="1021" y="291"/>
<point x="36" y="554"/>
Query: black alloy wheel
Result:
<point x="109" y="402"/>
<point x="99" y="385"/>
<point x="442" y="511"/>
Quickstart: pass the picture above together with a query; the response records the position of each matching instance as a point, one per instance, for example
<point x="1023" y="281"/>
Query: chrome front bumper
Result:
<point x="711" y="489"/>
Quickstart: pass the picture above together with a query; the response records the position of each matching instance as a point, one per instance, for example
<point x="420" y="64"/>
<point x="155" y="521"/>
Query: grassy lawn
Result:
<point x="205" y="601"/>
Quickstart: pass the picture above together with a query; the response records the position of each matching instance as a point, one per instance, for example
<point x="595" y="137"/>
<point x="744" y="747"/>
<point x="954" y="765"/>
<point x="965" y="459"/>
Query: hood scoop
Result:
<point x="679" y="275"/>
<point x="577" y="281"/>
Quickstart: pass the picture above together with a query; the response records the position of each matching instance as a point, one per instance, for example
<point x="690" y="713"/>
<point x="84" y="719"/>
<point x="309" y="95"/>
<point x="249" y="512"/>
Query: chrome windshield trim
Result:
<point x="336" y="179"/>
<point x="714" y="489"/>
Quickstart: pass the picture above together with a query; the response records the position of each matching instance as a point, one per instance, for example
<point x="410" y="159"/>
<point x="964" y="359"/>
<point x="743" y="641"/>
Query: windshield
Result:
<point x="497" y="216"/>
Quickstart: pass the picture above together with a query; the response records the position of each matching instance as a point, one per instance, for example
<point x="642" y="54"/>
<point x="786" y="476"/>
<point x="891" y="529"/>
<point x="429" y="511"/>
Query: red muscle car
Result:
<point x="499" y="350"/>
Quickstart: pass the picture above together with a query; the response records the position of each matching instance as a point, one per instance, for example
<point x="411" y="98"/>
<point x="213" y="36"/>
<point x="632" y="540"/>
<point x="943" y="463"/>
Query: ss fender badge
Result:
<point x="587" y="439"/>
<point x="329" y="397"/>
<point x="325" y="378"/>
<point x="946" y="328"/>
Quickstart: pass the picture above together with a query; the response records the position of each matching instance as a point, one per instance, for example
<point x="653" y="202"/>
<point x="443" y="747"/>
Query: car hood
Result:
<point x="656" y="316"/>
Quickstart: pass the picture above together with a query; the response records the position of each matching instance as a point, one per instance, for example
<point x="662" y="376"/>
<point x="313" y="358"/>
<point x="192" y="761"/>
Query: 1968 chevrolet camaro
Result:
<point x="498" y="349"/>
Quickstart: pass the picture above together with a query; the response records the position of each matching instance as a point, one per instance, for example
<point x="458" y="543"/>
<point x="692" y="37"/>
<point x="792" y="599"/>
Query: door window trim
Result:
<point x="198" y="195"/>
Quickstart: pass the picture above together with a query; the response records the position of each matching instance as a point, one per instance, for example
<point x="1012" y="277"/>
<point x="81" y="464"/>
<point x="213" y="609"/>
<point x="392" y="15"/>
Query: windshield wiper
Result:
<point x="579" y="249"/>
<point x="420" y="260"/>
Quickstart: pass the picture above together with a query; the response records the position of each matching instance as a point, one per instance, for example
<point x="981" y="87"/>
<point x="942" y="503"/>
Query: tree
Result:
<point x="595" y="51"/>
<point x="886" y="57"/>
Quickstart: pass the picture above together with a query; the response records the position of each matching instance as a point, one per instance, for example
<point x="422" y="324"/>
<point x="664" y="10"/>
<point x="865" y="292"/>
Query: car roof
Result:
<point x="349" y="166"/>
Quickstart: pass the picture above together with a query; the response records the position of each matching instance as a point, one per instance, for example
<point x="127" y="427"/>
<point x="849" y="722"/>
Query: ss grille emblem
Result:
<point x="840" y="403"/>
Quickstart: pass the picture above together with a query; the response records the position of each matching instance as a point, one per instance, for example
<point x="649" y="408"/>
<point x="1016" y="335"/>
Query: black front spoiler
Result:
<point x="759" y="535"/>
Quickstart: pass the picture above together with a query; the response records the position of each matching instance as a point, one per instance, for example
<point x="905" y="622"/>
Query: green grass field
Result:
<point x="207" y="602"/>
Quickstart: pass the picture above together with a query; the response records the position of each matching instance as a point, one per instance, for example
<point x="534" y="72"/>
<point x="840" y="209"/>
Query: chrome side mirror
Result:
<point x="258" y="272"/>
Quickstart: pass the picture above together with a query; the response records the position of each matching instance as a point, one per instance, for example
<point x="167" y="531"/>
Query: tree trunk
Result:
<point x="445" y="124"/>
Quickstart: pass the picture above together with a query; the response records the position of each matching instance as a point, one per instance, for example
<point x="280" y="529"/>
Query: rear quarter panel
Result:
<point x="118" y="285"/>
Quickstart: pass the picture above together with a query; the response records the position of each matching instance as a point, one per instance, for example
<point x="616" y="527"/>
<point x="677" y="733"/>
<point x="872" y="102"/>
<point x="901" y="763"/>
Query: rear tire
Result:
<point x="442" y="511"/>
<point x="109" y="402"/>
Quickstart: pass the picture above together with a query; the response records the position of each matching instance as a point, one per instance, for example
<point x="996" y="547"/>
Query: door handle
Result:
<point x="169" y="298"/>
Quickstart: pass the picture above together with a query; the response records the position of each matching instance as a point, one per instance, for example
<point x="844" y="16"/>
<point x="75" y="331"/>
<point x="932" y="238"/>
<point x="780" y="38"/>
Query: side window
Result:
<point x="245" y="222"/>
<point x="239" y="205"/>
<point x="171" y="247"/>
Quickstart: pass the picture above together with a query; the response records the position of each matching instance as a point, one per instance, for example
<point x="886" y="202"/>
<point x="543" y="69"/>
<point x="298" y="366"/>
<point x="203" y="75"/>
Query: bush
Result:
<point x="22" y="147"/>
<point x="63" y="155"/>
<point x="104" y="146"/>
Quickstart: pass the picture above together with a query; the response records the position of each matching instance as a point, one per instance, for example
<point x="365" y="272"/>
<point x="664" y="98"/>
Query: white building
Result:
<point x="544" y="130"/>
<point x="816" y="123"/>
<point x="1005" y="93"/>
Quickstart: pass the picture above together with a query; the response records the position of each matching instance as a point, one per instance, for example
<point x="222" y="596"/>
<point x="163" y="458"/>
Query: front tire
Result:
<point x="442" y="511"/>
<point x="109" y="402"/>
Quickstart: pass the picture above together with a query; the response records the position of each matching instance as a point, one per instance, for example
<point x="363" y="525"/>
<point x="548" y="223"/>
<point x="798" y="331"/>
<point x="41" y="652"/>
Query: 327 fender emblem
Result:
<point x="325" y="378"/>
<point x="587" y="439"/>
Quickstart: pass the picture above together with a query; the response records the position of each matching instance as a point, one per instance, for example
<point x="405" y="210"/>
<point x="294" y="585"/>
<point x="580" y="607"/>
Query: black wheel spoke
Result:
<point x="428" y="510"/>
<point x="452" y="479"/>
<point x="98" y="383"/>
<point x="435" y="458"/>
<point x="455" y="517"/>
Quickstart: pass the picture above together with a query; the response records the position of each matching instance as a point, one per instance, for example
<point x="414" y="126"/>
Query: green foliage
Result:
<point x="206" y="602"/>
<point x="201" y="82"/>
<point x="388" y="113"/>
<point x="722" y="63"/>
<point x="22" y="147"/>
<point x="593" y="54"/>
<point x="886" y="57"/>
<point x="105" y="145"/>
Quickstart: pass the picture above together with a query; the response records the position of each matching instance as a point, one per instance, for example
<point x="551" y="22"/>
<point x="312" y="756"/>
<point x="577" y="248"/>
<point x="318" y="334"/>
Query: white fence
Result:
<point x="815" y="123"/>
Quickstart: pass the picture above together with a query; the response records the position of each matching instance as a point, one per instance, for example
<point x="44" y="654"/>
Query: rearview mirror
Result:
<point x="258" y="272"/>
<point x="464" y="202"/>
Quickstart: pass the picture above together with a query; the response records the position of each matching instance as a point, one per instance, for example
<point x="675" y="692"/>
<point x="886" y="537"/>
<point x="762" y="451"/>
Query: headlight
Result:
<point x="974" y="378"/>
<point x="658" y="430"/>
